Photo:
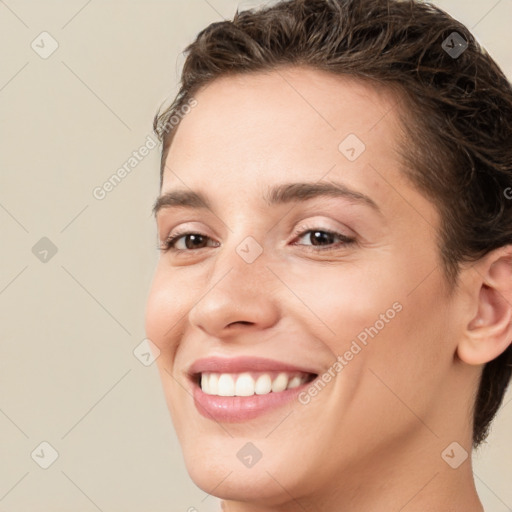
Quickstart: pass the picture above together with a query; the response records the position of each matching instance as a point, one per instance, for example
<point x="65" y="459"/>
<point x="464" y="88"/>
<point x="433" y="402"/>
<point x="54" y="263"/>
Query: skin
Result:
<point x="372" y="439"/>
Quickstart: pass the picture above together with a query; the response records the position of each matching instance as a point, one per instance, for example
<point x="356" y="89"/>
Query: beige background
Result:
<point x="68" y="375"/>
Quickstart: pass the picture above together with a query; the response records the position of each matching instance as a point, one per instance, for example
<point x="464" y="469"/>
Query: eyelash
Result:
<point x="168" y="245"/>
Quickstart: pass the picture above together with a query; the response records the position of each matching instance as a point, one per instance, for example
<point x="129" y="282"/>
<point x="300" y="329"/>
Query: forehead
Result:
<point x="291" y="124"/>
<point x="285" y="114"/>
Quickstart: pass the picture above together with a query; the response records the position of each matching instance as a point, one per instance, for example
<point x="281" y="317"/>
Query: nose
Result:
<point x="238" y="296"/>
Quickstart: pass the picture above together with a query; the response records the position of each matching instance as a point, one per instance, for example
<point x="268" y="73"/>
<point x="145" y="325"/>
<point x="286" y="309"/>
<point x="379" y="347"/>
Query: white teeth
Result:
<point x="226" y="385"/>
<point x="244" y="384"/>
<point x="263" y="384"/>
<point x="294" y="382"/>
<point x="213" y="384"/>
<point x="280" y="383"/>
<point x="205" y="383"/>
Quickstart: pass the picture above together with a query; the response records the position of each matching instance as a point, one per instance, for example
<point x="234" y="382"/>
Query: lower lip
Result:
<point x="242" y="408"/>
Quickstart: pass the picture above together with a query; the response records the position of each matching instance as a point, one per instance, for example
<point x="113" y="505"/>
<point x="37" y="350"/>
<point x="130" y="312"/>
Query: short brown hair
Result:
<point x="457" y="113"/>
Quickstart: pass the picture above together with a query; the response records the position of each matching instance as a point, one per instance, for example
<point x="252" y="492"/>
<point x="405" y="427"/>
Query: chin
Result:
<point x="253" y="485"/>
<point x="216" y="466"/>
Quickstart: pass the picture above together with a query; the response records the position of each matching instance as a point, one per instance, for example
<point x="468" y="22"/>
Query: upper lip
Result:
<point x="242" y="364"/>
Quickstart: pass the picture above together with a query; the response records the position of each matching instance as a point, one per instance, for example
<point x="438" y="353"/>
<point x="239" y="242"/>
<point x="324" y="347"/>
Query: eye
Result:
<point x="323" y="239"/>
<point x="320" y="239"/>
<point x="188" y="240"/>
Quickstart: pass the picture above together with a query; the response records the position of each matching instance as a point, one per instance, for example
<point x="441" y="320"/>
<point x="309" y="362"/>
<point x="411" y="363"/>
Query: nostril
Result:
<point x="240" y="322"/>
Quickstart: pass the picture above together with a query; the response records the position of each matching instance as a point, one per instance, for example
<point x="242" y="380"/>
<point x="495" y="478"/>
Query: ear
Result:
<point x="489" y="331"/>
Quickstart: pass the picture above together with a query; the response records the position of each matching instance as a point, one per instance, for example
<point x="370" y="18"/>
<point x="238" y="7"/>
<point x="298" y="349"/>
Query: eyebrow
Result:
<point x="276" y="195"/>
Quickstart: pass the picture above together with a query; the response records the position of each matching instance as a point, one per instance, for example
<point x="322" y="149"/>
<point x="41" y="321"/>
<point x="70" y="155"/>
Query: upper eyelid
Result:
<point x="299" y="230"/>
<point x="315" y="224"/>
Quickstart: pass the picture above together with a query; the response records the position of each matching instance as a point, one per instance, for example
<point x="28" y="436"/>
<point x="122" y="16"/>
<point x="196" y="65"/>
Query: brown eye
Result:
<point x="190" y="241"/>
<point x="193" y="241"/>
<point x="324" y="239"/>
<point x="321" y="238"/>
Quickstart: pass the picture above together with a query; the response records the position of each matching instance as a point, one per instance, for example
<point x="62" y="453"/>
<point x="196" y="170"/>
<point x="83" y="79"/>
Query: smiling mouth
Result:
<point x="248" y="384"/>
<point x="238" y="389"/>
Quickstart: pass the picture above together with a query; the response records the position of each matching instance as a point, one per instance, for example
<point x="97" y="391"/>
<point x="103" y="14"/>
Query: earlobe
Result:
<point x="489" y="331"/>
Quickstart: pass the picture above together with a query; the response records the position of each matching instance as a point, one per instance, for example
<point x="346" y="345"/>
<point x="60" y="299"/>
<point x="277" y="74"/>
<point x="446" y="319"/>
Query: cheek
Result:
<point x="164" y="315"/>
<point x="410" y="357"/>
<point x="164" y="308"/>
<point x="393" y="323"/>
<point x="340" y="301"/>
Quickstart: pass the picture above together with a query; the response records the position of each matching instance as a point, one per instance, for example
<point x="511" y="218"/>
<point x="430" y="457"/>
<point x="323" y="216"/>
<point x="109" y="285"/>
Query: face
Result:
<point x="308" y="285"/>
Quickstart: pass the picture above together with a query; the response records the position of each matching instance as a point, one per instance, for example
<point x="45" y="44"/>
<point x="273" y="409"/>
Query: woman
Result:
<point x="332" y="303"/>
